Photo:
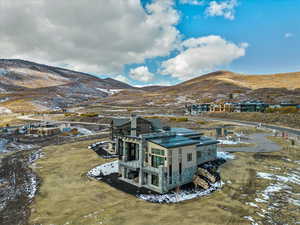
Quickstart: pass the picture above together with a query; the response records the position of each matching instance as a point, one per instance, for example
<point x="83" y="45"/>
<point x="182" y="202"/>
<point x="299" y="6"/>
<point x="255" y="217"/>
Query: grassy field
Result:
<point x="241" y="145"/>
<point x="67" y="196"/>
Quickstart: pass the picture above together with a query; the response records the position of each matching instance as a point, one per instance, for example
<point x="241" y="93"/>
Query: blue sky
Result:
<point x="154" y="42"/>
<point x="270" y="27"/>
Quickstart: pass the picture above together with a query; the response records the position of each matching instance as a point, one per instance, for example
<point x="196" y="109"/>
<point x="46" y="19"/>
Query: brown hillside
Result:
<point x="224" y="81"/>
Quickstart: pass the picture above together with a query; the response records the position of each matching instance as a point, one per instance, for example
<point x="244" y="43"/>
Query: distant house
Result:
<point x="44" y="131"/>
<point x="163" y="159"/>
<point x="222" y="107"/>
<point x="250" y="106"/>
<point x="196" y="109"/>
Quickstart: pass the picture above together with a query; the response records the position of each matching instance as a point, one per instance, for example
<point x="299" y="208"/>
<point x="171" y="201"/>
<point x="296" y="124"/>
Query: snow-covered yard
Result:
<point x="290" y="177"/>
<point x="181" y="196"/>
<point x="231" y="142"/>
<point x="104" y="169"/>
<point x="84" y="131"/>
<point x="4" y="110"/>
<point x="224" y="155"/>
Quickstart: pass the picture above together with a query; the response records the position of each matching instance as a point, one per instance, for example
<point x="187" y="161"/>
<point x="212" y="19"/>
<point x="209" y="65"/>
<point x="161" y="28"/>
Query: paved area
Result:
<point x="28" y="118"/>
<point x="268" y="126"/>
<point x="263" y="144"/>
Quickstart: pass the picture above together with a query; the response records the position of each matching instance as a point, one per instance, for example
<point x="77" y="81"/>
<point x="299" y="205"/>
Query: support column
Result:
<point x="161" y="179"/>
<point x="141" y="158"/>
<point x="125" y="153"/>
<point x="133" y="125"/>
<point x="117" y="146"/>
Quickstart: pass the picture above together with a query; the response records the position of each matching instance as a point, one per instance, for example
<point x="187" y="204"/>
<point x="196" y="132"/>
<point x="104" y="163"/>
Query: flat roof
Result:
<point x="179" y="141"/>
<point x="173" y="141"/>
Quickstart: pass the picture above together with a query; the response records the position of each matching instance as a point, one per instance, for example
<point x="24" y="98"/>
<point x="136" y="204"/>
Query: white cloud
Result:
<point x="192" y="2"/>
<point x="141" y="74"/>
<point x="200" y="55"/>
<point x="98" y="37"/>
<point x="223" y="8"/>
<point x="288" y="35"/>
<point x="122" y="79"/>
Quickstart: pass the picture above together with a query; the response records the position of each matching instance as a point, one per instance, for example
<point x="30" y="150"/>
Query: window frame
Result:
<point x="189" y="157"/>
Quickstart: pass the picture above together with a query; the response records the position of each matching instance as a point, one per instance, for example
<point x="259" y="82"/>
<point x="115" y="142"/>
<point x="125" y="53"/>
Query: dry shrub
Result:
<point x="89" y="114"/>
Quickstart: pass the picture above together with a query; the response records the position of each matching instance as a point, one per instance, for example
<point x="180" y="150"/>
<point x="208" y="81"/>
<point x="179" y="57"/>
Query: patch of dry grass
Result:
<point x="238" y="145"/>
<point x="10" y="119"/>
<point x="20" y="105"/>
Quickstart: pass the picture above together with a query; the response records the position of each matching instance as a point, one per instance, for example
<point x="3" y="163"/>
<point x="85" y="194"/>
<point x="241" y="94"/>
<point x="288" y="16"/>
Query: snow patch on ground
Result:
<point x="4" y="110"/>
<point x="104" y="169"/>
<point x="31" y="186"/>
<point x="84" y="131"/>
<point x="250" y="218"/>
<point x="280" y="186"/>
<point x="21" y="146"/>
<point x="291" y="177"/>
<point x="181" y="196"/>
<point x="109" y="91"/>
<point x="273" y="188"/>
<point x="225" y="155"/>
<point x="252" y="204"/>
<point x="150" y="103"/>
<point x="3" y="143"/>
<point x="231" y="142"/>
<point x="4" y="100"/>
<point x="97" y="144"/>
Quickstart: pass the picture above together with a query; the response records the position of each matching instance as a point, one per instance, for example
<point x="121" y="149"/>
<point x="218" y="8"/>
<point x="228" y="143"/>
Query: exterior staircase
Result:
<point x="199" y="182"/>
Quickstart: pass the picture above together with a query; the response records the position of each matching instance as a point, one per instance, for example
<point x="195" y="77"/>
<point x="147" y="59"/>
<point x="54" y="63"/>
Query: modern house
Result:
<point x="195" y="109"/>
<point x="43" y="129"/>
<point x="250" y="106"/>
<point x="162" y="160"/>
<point x="222" y="107"/>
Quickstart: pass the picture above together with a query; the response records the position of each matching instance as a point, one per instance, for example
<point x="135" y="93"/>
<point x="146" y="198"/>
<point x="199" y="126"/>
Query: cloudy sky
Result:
<point x="151" y="42"/>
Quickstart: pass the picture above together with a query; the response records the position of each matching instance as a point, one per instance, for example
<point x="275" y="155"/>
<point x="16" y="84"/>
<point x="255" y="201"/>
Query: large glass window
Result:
<point x="157" y="161"/>
<point x="189" y="157"/>
<point x="154" y="180"/>
<point x="199" y="155"/>
<point x="157" y="151"/>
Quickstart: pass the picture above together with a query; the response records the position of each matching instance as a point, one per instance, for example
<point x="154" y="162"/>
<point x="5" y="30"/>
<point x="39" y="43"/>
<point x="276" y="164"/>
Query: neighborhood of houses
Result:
<point x="246" y="106"/>
<point x="39" y="129"/>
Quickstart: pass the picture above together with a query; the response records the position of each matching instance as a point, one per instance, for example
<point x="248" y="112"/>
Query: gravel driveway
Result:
<point x="263" y="144"/>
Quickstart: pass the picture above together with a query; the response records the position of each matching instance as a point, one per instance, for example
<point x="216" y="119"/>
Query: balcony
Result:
<point x="131" y="164"/>
<point x="151" y="169"/>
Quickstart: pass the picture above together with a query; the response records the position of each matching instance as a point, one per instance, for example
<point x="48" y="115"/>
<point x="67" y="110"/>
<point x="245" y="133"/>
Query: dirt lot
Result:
<point x="67" y="196"/>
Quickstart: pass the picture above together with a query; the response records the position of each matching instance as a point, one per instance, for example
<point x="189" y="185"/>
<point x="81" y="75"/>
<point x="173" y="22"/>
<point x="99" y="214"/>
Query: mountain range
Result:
<point x="25" y="84"/>
<point x="29" y="86"/>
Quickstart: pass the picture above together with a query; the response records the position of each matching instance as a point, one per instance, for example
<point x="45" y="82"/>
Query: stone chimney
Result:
<point x="133" y="125"/>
